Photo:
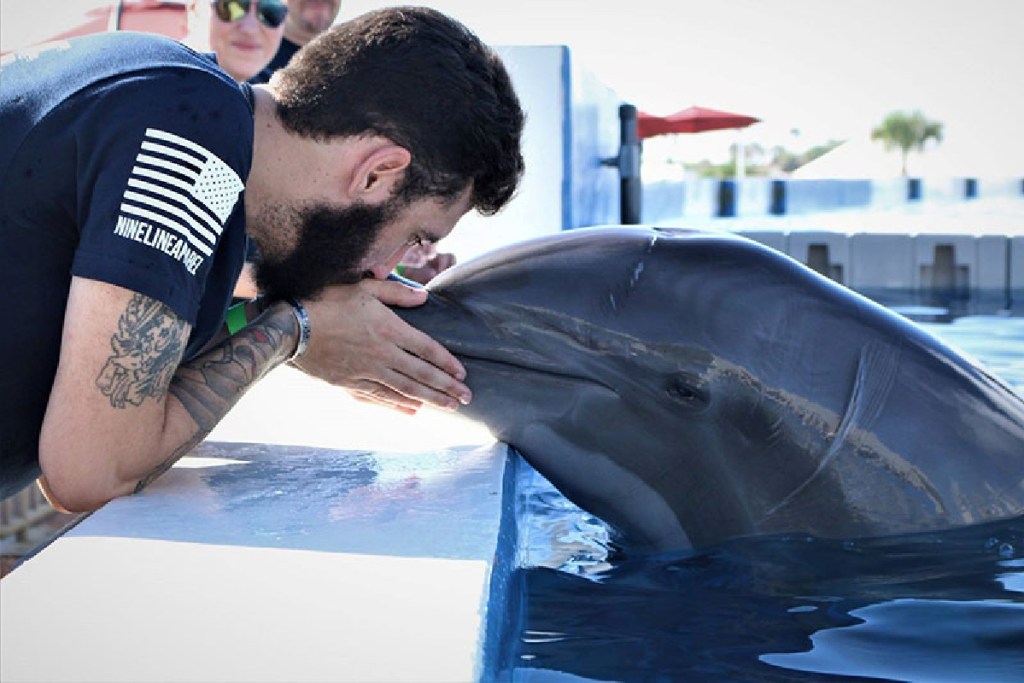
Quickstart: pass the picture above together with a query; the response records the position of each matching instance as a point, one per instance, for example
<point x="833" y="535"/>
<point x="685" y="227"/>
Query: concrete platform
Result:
<point x="911" y="262"/>
<point x="353" y="545"/>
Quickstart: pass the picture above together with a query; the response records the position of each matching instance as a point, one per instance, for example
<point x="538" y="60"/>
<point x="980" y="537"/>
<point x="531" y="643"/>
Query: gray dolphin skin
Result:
<point x="690" y="387"/>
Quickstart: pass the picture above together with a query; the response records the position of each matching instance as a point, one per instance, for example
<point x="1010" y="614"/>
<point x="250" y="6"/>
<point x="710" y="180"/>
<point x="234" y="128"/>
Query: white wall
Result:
<point x="537" y="208"/>
<point x="571" y="125"/>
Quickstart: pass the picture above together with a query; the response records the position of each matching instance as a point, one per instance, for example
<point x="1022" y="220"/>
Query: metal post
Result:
<point x="629" y="166"/>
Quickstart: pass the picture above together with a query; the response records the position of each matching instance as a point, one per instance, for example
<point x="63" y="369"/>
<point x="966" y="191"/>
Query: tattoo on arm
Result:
<point x="211" y="384"/>
<point x="147" y="348"/>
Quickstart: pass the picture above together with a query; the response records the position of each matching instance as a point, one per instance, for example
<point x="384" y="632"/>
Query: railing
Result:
<point x="18" y="513"/>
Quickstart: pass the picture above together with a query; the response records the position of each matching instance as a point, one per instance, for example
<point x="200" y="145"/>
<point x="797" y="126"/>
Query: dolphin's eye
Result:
<point x="687" y="390"/>
<point x="682" y="392"/>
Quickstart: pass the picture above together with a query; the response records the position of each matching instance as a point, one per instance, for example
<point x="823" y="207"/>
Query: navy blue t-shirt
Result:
<point x="122" y="159"/>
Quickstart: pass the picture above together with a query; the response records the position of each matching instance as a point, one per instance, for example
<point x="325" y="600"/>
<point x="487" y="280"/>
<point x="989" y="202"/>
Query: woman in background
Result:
<point x="244" y="34"/>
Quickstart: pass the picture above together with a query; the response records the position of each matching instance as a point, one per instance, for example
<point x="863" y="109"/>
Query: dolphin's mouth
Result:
<point x="519" y="339"/>
<point x="545" y="371"/>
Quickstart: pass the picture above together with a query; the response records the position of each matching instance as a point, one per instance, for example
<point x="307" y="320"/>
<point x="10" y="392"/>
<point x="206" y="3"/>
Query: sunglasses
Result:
<point x="271" y="13"/>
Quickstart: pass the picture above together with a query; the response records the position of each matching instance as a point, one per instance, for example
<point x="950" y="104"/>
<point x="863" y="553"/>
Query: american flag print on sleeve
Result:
<point x="178" y="197"/>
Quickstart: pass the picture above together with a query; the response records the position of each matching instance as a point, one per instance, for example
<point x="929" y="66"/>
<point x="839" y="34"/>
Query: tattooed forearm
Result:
<point x="146" y="349"/>
<point x="208" y="386"/>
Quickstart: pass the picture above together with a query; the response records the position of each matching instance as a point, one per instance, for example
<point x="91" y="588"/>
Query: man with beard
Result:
<point x="132" y="169"/>
<point x="305" y="20"/>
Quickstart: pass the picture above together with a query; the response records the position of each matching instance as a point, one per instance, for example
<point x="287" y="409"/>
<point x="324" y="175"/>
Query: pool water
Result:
<point x="928" y="607"/>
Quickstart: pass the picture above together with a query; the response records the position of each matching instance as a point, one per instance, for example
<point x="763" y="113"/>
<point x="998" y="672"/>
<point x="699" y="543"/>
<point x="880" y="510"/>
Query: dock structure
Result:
<point x="986" y="270"/>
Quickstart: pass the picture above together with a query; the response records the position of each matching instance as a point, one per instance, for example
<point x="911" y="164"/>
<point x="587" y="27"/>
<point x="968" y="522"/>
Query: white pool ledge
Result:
<point x="278" y="562"/>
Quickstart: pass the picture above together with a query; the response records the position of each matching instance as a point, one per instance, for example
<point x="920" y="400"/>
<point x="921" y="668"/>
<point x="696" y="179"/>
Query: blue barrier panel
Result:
<point x="726" y="198"/>
<point x="752" y="196"/>
<point x="777" y="198"/>
<point x="1016" y="266"/>
<point x="663" y="200"/>
<point x="806" y="196"/>
<point x="913" y="189"/>
<point x="701" y="197"/>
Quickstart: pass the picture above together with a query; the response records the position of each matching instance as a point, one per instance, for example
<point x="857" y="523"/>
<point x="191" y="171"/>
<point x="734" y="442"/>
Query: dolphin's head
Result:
<point x="689" y="387"/>
<point x="569" y="324"/>
<point x="596" y="356"/>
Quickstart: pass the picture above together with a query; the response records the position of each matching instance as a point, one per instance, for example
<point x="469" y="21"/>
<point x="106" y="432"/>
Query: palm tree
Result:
<point x="906" y="132"/>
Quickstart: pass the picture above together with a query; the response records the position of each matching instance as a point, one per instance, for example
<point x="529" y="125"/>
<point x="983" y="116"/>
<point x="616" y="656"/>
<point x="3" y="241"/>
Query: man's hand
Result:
<point x="358" y="343"/>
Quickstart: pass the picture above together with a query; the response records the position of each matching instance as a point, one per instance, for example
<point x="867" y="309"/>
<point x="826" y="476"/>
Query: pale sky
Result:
<point x="826" y="68"/>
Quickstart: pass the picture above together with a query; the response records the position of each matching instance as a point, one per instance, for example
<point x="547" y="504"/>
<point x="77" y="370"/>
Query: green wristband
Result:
<point x="235" y="318"/>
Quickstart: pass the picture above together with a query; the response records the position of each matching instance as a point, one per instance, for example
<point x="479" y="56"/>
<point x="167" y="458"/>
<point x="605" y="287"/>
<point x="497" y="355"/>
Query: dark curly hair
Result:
<point x="424" y="81"/>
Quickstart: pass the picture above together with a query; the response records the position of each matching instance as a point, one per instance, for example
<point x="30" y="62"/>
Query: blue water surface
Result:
<point x="927" y="607"/>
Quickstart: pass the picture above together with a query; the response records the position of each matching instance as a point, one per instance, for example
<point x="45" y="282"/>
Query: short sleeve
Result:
<point x="162" y="158"/>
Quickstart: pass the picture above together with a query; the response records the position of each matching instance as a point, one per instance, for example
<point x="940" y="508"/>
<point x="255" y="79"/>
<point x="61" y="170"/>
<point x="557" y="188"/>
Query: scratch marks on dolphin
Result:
<point x="637" y="271"/>
<point x="634" y="280"/>
<point x="877" y="369"/>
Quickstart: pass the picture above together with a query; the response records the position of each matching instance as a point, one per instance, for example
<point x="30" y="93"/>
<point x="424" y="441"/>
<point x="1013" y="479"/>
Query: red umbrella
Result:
<point x="690" y="120"/>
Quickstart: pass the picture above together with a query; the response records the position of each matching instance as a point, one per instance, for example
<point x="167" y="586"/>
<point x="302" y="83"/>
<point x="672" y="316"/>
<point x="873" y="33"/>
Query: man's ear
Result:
<point x="379" y="172"/>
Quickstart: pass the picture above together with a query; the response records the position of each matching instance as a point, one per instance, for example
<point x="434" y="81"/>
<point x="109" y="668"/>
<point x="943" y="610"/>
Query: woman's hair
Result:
<point x="425" y="82"/>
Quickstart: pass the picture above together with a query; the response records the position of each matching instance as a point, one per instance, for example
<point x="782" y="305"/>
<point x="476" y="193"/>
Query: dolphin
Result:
<point x="689" y="387"/>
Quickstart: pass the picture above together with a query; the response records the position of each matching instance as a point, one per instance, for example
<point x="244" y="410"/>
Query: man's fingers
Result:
<point x="431" y="364"/>
<point x="378" y="394"/>
<point x="395" y="293"/>
<point x="430" y="385"/>
<point x="366" y="347"/>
